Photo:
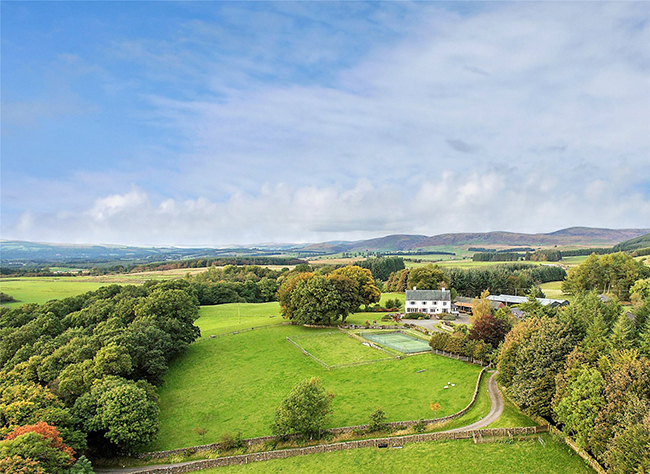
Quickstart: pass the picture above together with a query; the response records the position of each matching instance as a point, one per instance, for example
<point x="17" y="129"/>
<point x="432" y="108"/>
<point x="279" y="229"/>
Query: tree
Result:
<point x="376" y="420"/>
<point x="201" y="432"/>
<point x="124" y="412"/>
<point x="82" y="466"/>
<point x="489" y="329"/>
<point x="316" y="301"/>
<point x="365" y="284"/>
<point x="429" y="277"/>
<point x="40" y="442"/>
<point x="18" y="465"/>
<point x="533" y="353"/>
<point x="304" y="411"/>
<point x="288" y="305"/>
<point x="481" y="306"/>
<point x="580" y="402"/>
<point x="640" y="292"/>
<point x="612" y="273"/>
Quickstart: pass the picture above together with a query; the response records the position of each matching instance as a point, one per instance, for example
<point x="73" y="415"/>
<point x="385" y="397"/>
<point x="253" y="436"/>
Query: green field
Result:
<point x="235" y="382"/>
<point x="42" y="289"/>
<point x="447" y="457"/>
<point x="337" y="348"/>
<point x="553" y="289"/>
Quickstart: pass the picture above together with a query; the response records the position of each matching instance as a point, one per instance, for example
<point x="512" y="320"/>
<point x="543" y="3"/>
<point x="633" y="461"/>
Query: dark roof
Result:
<point x="523" y="299"/>
<point x="518" y="313"/>
<point x="428" y="295"/>
<point x="463" y="299"/>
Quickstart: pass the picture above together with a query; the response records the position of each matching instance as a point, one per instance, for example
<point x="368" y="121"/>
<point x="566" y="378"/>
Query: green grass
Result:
<point x="223" y="318"/>
<point x="336" y="348"/>
<point x="42" y="289"/>
<point x="447" y="457"/>
<point x="235" y="382"/>
<point x="479" y="410"/>
<point x="553" y="289"/>
<point x="511" y="416"/>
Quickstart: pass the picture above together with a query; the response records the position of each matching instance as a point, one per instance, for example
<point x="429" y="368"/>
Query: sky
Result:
<point x="217" y="123"/>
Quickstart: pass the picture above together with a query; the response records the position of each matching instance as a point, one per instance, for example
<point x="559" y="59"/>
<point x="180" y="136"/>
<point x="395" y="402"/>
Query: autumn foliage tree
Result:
<point x="41" y="443"/>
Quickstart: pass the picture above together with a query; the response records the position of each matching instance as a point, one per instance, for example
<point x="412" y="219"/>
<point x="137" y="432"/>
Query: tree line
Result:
<point x="506" y="279"/>
<point x="87" y="367"/>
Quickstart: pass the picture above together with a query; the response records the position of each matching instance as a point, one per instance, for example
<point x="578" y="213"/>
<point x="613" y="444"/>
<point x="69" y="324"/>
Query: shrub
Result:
<point x="304" y="411"/>
<point x="420" y="426"/>
<point x="230" y="441"/>
<point x="377" y="420"/>
<point x="447" y="317"/>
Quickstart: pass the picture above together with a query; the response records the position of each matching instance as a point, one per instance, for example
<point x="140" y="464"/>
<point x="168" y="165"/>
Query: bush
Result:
<point x="377" y="420"/>
<point x="415" y="315"/>
<point x="230" y="441"/>
<point x="446" y="317"/>
<point x="420" y="426"/>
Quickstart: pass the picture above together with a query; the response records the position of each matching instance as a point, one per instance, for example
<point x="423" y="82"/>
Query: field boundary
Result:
<point x="391" y="442"/>
<point x="335" y="366"/>
<point x="334" y="431"/>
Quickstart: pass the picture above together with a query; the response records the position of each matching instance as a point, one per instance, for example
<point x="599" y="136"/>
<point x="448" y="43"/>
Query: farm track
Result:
<point x="496" y="409"/>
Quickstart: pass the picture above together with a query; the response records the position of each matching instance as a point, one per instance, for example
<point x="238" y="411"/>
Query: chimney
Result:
<point x="415" y="287"/>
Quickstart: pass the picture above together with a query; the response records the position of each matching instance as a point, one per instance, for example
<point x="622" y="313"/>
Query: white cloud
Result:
<point x="514" y="116"/>
<point x="283" y="213"/>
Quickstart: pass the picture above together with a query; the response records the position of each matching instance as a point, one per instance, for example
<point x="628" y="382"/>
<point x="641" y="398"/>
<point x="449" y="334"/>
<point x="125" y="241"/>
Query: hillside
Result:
<point x="573" y="236"/>
<point x="19" y="252"/>
<point x="636" y="243"/>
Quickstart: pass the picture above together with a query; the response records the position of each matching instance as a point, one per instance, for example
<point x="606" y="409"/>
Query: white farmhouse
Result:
<point x="427" y="301"/>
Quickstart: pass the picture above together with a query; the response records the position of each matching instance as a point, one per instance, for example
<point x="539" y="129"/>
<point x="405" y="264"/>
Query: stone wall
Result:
<point x="595" y="465"/>
<point x="327" y="448"/>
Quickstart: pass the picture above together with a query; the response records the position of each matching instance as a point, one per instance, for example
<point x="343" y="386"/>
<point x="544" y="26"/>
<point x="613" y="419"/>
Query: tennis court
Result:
<point x="397" y="340"/>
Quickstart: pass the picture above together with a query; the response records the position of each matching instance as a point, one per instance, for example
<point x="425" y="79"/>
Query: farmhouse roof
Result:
<point x="428" y="295"/>
<point x="512" y="299"/>
<point x="463" y="300"/>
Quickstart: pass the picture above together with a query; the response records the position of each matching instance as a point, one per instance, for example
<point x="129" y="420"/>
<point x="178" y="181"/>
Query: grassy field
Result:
<point x="553" y="289"/>
<point x="337" y="348"/>
<point x="447" y="457"/>
<point x="41" y="290"/>
<point x="230" y="317"/>
<point x="235" y="382"/>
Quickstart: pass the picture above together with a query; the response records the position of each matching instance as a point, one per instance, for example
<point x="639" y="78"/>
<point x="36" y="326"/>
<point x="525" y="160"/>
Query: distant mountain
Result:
<point x="573" y="236"/>
<point x="14" y="252"/>
<point x="390" y="243"/>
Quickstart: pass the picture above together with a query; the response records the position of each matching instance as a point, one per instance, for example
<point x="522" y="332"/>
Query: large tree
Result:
<point x="124" y="412"/>
<point x="613" y="273"/>
<point x="304" y="411"/>
<point x="429" y="277"/>
<point x="367" y="289"/>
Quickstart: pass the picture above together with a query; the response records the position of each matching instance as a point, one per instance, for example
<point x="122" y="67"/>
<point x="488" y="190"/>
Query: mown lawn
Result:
<point x="445" y="457"/>
<point x="336" y="348"/>
<point x="235" y="382"/>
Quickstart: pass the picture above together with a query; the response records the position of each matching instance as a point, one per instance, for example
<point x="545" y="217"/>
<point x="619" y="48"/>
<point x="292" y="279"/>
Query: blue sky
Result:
<point x="210" y="123"/>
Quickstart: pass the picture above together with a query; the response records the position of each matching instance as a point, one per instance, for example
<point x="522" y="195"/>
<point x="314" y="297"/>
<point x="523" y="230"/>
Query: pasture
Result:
<point x="553" y="289"/>
<point x="42" y="289"/>
<point x="448" y="457"/>
<point x="337" y="348"/>
<point x="235" y="382"/>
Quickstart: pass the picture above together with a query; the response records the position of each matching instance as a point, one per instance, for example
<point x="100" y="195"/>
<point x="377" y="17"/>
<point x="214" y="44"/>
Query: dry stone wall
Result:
<point x="327" y="448"/>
